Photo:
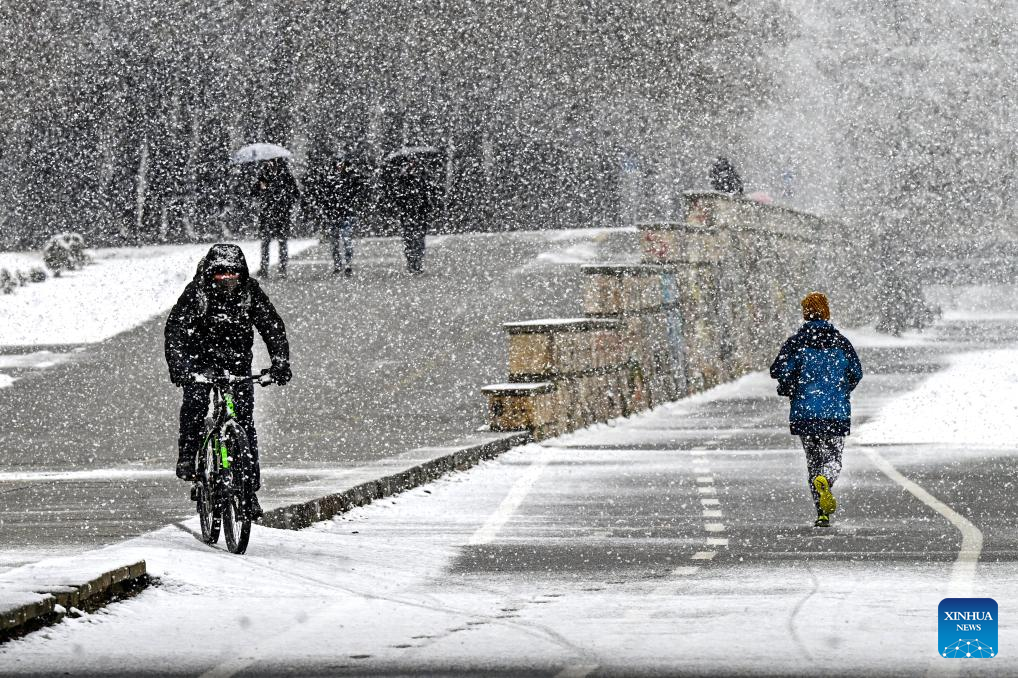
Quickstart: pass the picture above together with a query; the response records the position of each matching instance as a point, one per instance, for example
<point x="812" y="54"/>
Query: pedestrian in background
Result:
<point x="817" y="369"/>
<point x="278" y="192"/>
<point x="340" y="197"/>
<point x="413" y="195"/>
<point x="724" y="178"/>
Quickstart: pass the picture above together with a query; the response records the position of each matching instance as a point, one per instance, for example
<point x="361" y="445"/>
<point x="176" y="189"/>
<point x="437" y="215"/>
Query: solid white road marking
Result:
<point x="964" y="569"/>
<point x="517" y="493"/>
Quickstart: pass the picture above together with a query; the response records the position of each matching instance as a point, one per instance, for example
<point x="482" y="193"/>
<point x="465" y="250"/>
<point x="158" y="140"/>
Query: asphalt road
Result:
<point x="676" y="542"/>
<point x="383" y="363"/>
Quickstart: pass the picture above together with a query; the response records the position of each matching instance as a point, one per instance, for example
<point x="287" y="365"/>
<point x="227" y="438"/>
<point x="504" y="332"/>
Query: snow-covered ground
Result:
<point x="971" y="404"/>
<point x="380" y="586"/>
<point x="121" y="290"/>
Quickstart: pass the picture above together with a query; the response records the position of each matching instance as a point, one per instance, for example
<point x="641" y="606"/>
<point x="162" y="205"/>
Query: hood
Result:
<point x="820" y="334"/>
<point x="222" y="257"/>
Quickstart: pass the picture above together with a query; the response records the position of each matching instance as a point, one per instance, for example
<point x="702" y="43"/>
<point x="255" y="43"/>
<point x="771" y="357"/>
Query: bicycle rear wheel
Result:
<point x="208" y="510"/>
<point x="236" y="523"/>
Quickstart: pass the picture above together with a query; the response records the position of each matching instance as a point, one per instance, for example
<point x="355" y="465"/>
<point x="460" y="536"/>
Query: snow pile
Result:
<point x="968" y="405"/>
<point x="125" y="288"/>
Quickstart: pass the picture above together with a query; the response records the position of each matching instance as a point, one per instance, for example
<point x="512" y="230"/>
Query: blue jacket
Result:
<point x="817" y="368"/>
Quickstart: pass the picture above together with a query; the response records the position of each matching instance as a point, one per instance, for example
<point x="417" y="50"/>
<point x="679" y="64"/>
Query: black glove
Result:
<point x="280" y="372"/>
<point x="179" y="379"/>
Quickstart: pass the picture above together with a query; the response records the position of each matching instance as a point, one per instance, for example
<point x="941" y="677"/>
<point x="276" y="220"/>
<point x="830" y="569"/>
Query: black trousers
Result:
<point x="414" y="231"/>
<point x="192" y="422"/>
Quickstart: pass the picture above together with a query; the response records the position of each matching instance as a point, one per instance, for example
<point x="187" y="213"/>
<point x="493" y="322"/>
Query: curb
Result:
<point x="30" y="606"/>
<point x="483" y="446"/>
<point x="69" y="591"/>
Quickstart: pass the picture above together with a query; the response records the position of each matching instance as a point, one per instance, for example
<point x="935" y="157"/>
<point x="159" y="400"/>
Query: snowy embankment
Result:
<point x="123" y="288"/>
<point x="968" y="406"/>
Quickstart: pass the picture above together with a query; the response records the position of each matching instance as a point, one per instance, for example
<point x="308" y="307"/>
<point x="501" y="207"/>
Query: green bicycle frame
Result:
<point x="231" y="413"/>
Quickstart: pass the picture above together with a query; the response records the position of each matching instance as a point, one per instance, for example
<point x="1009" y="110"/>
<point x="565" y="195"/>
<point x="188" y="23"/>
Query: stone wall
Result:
<point x="712" y="299"/>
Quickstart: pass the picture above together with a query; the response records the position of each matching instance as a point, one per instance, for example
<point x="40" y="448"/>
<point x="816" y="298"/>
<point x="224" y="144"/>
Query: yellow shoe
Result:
<point x="828" y="504"/>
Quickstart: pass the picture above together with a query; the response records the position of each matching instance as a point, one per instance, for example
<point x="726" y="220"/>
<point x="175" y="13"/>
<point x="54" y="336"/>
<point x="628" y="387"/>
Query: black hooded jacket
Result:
<point x="213" y="329"/>
<point x="724" y="178"/>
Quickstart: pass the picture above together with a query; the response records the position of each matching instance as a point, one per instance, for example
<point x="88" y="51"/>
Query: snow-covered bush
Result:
<point x="37" y="274"/>
<point x="7" y="281"/>
<point x="65" y="251"/>
<point x="76" y="243"/>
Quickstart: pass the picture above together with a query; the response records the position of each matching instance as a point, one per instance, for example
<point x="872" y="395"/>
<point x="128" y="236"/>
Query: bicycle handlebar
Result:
<point x="225" y="378"/>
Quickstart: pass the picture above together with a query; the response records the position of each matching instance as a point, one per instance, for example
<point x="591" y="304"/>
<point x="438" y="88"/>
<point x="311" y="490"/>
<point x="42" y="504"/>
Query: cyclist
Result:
<point x="211" y="329"/>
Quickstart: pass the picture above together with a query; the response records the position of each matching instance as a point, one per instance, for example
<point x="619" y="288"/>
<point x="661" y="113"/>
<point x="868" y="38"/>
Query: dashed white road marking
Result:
<point x="710" y="502"/>
<point x="712" y="513"/>
<point x="716" y="541"/>
<point x="714" y="527"/>
<point x="703" y="555"/>
<point x="707" y="489"/>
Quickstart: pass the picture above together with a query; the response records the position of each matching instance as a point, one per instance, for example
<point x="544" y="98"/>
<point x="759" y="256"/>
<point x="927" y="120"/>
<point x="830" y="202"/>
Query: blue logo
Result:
<point x="968" y="628"/>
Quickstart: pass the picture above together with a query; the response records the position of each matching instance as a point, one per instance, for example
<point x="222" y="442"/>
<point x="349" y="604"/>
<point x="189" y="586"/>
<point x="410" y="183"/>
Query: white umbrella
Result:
<point x="410" y="151"/>
<point x="256" y="152"/>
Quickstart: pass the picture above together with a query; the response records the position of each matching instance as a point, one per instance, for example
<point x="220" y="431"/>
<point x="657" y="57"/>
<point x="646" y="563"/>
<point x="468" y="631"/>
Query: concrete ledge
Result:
<point x="43" y="593"/>
<point x="519" y="389"/>
<point x="479" y="447"/>
<point x="623" y="270"/>
<point x="559" y="325"/>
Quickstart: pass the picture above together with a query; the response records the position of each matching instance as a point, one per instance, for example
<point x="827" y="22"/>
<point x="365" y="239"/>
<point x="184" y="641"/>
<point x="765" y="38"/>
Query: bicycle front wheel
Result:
<point x="236" y="523"/>
<point x="208" y="509"/>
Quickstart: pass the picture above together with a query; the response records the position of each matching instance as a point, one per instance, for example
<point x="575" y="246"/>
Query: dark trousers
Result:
<point x="414" y="231"/>
<point x="823" y="457"/>
<point x="284" y="255"/>
<point x="195" y="408"/>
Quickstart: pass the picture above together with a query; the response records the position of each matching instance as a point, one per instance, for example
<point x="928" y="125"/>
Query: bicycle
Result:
<point x="222" y="489"/>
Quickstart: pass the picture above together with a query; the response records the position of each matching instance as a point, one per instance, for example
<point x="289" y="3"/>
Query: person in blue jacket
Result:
<point x="817" y="369"/>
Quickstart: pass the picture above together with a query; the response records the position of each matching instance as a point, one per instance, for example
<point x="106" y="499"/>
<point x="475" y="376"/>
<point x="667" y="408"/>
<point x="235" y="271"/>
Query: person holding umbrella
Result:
<point x="277" y="191"/>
